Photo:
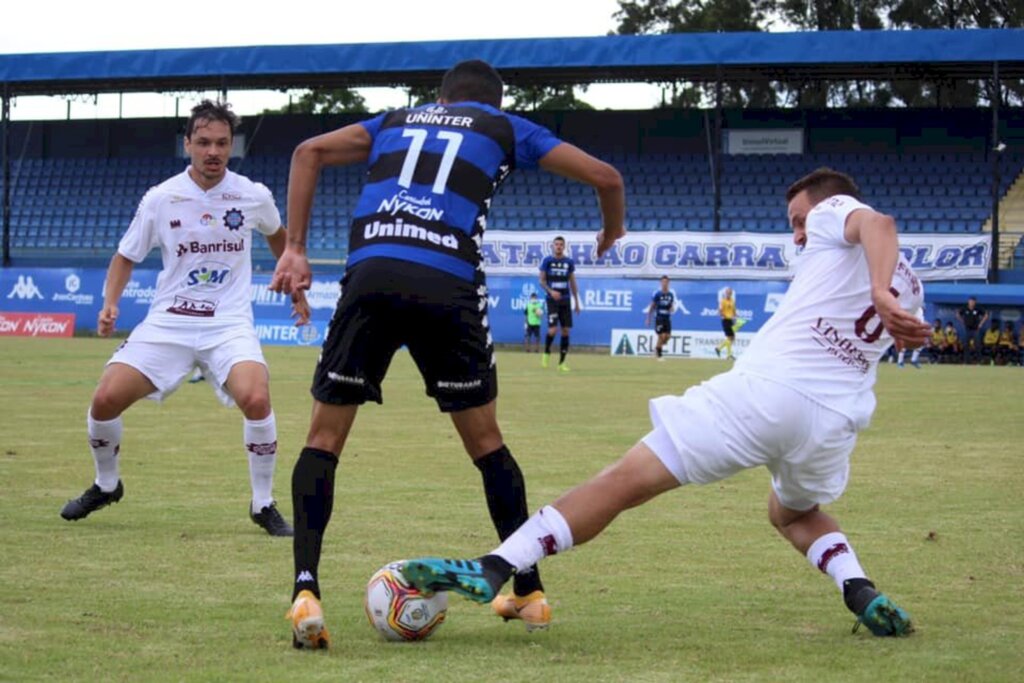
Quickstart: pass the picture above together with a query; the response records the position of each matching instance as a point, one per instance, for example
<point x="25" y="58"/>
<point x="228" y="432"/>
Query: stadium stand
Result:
<point x="76" y="202"/>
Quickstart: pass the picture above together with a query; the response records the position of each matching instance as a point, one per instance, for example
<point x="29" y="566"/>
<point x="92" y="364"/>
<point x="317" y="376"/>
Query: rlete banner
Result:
<point x="717" y="256"/>
<point x="681" y="344"/>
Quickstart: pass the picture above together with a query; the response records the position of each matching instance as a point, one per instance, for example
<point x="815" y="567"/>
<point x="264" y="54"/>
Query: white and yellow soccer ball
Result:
<point x="397" y="610"/>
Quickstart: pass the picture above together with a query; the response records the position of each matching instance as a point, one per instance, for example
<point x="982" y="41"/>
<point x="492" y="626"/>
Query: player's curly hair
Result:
<point x="822" y="183"/>
<point x="473" y="80"/>
<point x="207" y="110"/>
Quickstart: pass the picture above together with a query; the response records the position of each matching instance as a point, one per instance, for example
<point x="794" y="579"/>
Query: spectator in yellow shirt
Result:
<point x="727" y="310"/>
<point x="989" y="343"/>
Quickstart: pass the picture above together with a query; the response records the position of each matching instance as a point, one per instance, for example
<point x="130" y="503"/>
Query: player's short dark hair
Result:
<point x="558" y="238"/>
<point x="533" y="295"/>
<point x="822" y="183"/>
<point x="207" y="111"/>
<point x="473" y="80"/>
<point x="664" y="277"/>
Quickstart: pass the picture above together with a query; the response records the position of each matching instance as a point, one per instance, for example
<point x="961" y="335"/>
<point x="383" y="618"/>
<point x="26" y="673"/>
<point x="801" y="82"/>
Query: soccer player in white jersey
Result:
<point x="203" y="221"/>
<point x="793" y="403"/>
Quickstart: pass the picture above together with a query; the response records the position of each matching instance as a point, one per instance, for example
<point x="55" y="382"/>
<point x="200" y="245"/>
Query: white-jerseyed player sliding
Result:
<point x="203" y="221"/>
<point x="793" y="403"/>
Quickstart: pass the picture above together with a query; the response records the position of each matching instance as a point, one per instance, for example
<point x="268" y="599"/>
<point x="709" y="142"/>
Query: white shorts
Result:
<point x="736" y="421"/>
<point x="166" y="355"/>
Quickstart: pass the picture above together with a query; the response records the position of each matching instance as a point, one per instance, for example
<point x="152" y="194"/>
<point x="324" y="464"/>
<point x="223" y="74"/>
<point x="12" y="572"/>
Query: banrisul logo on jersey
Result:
<point x="233" y="219"/>
<point x="209" y="276"/>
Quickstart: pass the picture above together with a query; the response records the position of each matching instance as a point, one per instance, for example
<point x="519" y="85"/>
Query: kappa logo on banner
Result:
<point x="37" y="324"/>
<point x="25" y="288"/>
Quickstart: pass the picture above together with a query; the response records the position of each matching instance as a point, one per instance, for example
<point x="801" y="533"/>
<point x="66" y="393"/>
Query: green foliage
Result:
<point x="422" y="94"/>
<point x="533" y="98"/>
<point x="175" y="583"/>
<point x="681" y="16"/>
<point x="325" y="101"/>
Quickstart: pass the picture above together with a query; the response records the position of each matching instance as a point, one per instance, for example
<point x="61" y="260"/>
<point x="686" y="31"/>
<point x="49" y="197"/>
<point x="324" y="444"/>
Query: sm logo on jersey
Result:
<point x="208" y="277"/>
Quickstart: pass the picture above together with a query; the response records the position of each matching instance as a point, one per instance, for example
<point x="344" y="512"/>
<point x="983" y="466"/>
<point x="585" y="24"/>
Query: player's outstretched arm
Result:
<point x="572" y="162"/>
<point x="118" y="274"/>
<point x="876" y="233"/>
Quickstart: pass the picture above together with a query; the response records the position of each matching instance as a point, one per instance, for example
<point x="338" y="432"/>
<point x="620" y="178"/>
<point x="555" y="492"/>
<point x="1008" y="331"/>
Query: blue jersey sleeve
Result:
<point x="372" y="126"/>
<point x="572" y="266"/>
<point x="544" y="265"/>
<point x="532" y="141"/>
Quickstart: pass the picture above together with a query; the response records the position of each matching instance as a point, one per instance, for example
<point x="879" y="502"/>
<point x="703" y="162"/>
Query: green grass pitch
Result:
<point x="175" y="583"/>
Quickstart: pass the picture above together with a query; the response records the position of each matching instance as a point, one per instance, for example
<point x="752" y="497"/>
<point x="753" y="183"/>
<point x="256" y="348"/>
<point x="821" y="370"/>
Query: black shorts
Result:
<point x="533" y="331"/>
<point x="662" y="324"/>
<point x="727" y="324"/>
<point x="560" y="312"/>
<point x="386" y="303"/>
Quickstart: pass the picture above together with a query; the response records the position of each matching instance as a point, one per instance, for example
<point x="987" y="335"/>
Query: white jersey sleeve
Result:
<point x="142" y="236"/>
<point x="268" y="218"/>
<point x="826" y="222"/>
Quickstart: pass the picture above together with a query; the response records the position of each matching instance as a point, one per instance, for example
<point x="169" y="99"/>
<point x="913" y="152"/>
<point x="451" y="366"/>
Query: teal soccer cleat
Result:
<point x="465" y="577"/>
<point x="884" y="618"/>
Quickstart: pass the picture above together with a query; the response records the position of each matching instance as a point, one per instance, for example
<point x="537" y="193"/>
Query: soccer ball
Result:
<point x="397" y="610"/>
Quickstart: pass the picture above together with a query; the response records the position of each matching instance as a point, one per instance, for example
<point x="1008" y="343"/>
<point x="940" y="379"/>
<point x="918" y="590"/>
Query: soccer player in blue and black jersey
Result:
<point x="663" y="305"/>
<point x="414" y="277"/>
<point x="558" y="278"/>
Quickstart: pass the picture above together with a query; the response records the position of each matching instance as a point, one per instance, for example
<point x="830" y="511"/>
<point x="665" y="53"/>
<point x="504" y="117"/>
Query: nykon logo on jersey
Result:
<point x="414" y="206"/>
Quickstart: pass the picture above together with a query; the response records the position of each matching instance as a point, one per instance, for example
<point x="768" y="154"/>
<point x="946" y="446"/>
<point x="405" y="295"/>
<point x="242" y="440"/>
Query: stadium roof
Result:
<point x="812" y="55"/>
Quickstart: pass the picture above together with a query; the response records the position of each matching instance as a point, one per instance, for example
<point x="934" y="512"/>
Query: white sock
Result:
<point x="105" y="443"/>
<point x="832" y="555"/>
<point x="899" y="359"/>
<point x="261" y="445"/>
<point x="915" y="355"/>
<point x="545" y="533"/>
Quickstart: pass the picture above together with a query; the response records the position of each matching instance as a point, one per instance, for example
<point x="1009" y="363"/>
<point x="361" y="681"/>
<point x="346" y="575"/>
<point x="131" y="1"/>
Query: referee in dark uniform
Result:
<point x="414" y="277"/>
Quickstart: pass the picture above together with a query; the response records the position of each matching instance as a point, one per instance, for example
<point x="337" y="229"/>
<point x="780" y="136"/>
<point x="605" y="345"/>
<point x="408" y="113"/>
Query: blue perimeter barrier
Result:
<point x="608" y="303"/>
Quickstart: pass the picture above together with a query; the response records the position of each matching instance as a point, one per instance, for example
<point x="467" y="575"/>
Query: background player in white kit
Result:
<point x="203" y="221"/>
<point x="793" y="403"/>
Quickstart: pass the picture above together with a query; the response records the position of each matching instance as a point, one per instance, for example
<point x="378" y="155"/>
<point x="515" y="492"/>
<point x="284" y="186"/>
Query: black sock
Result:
<point x="312" y="502"/>
<point x="497" y="571"/>
<point x="564" y="349"/>
<point x="657" y="351"/>
<point x="858" y="594"/>
<point x="506" y="501"/>
<point x="547" y="343"/>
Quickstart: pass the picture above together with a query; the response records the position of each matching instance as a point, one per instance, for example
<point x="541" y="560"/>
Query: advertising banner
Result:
<point x="37" y="324"/>
<point x="718" y="256"/>
<point x="764" y="141"/>
<point x="682" y="344"/>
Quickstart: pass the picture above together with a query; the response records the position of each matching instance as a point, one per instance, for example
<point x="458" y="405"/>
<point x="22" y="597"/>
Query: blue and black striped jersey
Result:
<point x="433" y="171"/>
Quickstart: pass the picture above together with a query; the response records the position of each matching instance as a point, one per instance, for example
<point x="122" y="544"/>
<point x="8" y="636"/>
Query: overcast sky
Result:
<point x="86" y="25"/>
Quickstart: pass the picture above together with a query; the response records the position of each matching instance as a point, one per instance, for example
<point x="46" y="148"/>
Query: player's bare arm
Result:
<point x="553" y="293"/>
<point x="300" y="306"/>
<point x="876" y="233"/>
<point x="572" y="162"/>
<point x="118" y="274"/>
<point x="575" y="292"/>
<point x="348" y="145"/>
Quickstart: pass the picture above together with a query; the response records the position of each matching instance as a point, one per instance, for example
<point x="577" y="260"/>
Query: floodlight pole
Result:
<point x="6" y="162"/>
<point x="996" y="150"/>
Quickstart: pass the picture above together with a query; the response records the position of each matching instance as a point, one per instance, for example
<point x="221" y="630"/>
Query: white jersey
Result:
<point x="205" y="238"/>
<point x="825" y="339"/>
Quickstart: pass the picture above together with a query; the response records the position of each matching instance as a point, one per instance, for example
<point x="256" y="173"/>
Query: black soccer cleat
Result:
<point x="93" y="499"/>
<point x="271" y="521"/>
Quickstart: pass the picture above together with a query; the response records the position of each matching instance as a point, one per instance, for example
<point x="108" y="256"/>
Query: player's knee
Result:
<point x="254" y="404"/>
<point x="107" y="404"/>
<point x="782" y="518"/>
